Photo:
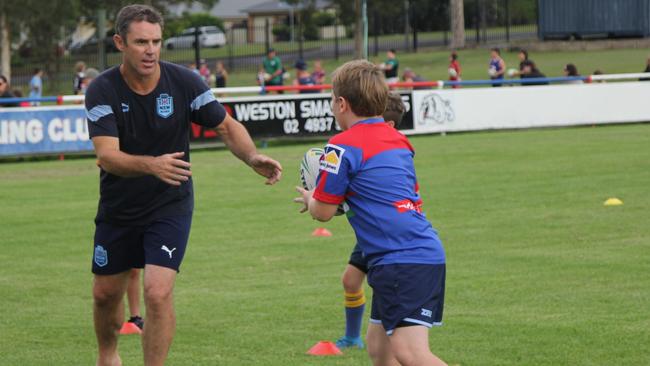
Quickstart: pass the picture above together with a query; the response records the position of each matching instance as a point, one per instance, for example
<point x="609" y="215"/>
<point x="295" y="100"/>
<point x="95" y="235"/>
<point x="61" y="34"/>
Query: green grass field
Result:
<point x="539" y="271"/>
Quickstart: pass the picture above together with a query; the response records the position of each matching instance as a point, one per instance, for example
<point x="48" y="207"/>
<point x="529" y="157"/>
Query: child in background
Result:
<point x="454" y="68"/>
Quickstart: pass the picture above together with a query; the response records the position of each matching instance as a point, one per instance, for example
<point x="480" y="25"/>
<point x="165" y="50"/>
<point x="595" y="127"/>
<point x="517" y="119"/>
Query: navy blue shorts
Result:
<point x="358" y="260"/>
<point x="407" y="294"/>
<point x="119" y="248"/>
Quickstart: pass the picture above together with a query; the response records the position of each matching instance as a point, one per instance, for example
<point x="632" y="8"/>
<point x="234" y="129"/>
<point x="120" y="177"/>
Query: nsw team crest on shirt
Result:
<point x="331" y="160"/>
<point x="164" y="105"/>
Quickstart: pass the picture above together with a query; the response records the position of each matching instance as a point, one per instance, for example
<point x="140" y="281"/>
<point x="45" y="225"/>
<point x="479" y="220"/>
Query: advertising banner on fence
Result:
<point x="296" y="115"/>
<point x="529" y="106"/>
<point x="43" y="130"/>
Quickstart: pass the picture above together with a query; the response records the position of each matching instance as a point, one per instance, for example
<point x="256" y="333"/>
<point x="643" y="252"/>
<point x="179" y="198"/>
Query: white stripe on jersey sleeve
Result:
<point x="202" y="100"/>
<point x="98" y="112"/>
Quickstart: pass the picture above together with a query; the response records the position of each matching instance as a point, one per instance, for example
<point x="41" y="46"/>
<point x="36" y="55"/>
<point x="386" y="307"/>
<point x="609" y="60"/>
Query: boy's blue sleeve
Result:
<point x="337" y="165"/>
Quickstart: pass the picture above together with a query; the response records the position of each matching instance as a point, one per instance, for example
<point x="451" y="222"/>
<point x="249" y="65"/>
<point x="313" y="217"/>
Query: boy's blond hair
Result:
<point x="362" y="85"/>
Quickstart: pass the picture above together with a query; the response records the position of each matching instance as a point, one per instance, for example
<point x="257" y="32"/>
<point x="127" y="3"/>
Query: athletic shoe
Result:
<point x="347" y="342"/>
<point x="137" y="321"/>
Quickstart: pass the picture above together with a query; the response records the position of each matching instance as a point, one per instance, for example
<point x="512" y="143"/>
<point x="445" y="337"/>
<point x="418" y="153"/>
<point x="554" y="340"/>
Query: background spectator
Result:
<point x="79" y="74"/>
<point x="303" y="77"/>
<point x="570" y="70"/>
<point x="220" y="75"/>
<point x="410" y="76"/>
<point x="530" y="71"/>
<point x="204" y="71"/>
<point x="5" y="93"/>
<point x="497" y="66"/>
<point x="454" y="68"/>
<point x="273" y="67"/>
<point x="91" y="74"/>
<point x="319" y="73"/>
<point x="36" y="85"/>
<point x="19" y="94"/>
<point x="391" y="67"/>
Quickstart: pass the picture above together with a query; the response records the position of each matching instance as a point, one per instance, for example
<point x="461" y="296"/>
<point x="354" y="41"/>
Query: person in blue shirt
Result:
<point x="36" y="85"/>
<point x="497" y="66"/>
<point x="303" y="77"/>
<point x="369" y="166"/>
<point x="139" y="115"/>
<point x="357" y="268"/>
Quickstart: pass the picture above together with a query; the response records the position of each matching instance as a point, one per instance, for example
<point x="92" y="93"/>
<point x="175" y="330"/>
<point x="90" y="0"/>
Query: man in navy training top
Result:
<point x="370" y="166"/>
<point x="139" y="117"/>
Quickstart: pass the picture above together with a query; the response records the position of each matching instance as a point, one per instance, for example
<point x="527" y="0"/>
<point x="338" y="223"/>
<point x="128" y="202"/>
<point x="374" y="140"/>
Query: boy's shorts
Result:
<point x="358" y="260"/>
<point x="119" y="248"/>
<point x="407" y="294"/>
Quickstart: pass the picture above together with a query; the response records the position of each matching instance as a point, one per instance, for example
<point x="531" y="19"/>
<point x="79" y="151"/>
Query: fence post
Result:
<point x="101" y="35"/>
<point x="375" y="26"/>
<point x="267" y="41"/>
<point x="406" y="25"/>
<point x="197" y="47"/>
<point x="508" y="21"/>
<point x="336" y="37"/>
<point x="301" y="38"/>
<point x="231" y="61"/>
<point x="414" y="27"/>
<point x="476" y="21"/>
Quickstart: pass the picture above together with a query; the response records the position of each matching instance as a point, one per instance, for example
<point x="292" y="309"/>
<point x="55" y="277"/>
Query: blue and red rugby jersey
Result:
<point x="370" y="167"/>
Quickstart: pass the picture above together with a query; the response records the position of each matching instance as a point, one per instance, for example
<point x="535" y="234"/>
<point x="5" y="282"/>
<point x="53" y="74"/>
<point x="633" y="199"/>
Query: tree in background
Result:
<point x="47" y="25"/>
<point x="457" y="20"/>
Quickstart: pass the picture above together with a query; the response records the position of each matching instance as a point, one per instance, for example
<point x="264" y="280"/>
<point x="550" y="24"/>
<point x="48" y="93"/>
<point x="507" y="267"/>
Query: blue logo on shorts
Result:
<point x="164" y="105"/>
<point x="101" y="256"/>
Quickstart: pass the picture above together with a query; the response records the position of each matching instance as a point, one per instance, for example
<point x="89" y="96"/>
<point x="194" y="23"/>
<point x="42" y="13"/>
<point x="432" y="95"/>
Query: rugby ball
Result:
<point x="309" y="168"/>
<point x="452" y="72"/>
<point x="512" y="72"/>
<point x="492" y="71"/>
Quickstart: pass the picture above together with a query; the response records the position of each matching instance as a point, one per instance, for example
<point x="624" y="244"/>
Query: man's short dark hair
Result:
<point x="497" y="50"/>
<point x="394" y="109"/>
<point x="136" y="13"/>
<point x="4" y="79"/>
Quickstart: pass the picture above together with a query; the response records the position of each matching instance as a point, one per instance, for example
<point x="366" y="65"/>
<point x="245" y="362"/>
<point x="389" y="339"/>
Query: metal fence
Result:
<point x="404" y="29"/>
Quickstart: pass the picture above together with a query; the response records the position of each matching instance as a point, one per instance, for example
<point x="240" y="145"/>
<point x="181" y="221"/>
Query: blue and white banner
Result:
<point x="43" y="130"/>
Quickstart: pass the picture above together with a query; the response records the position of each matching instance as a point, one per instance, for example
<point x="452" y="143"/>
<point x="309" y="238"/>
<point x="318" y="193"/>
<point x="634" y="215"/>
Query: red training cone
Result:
<point x="321" y="231"/>
<point x="130" y="328"/>
<point x="324" y="348"/>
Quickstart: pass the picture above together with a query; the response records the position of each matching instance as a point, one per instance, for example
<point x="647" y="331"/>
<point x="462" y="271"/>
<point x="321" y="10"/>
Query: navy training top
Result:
<point x="154" y="124"/>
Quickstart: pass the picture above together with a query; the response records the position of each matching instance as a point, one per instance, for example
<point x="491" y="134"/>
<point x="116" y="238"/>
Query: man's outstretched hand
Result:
<point x="266" y="167"/>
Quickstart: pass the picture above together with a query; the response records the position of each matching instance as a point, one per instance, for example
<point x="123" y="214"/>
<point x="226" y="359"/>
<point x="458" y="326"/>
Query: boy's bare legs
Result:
<point x="379" y="346"/>
<point x="108" y="314"/>
<point x="410" y="345"/>
<point x="133" y="292"/>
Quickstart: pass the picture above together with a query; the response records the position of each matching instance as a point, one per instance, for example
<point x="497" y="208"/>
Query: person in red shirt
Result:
<point x="454" y="68"/>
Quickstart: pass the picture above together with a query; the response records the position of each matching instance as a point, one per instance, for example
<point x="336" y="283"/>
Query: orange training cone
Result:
<point x="324" y="348"/>
<point x="130" y="328"/>
<point x="321" y="231"/>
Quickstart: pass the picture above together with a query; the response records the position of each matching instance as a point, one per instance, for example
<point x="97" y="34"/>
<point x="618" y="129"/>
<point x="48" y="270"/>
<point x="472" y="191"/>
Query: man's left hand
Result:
<point x="266" y="167"/>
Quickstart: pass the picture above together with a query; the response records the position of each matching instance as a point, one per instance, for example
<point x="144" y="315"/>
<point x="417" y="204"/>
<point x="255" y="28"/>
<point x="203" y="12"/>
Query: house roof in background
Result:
<point x="277" y="6"/>
<point x="225" y="9"/>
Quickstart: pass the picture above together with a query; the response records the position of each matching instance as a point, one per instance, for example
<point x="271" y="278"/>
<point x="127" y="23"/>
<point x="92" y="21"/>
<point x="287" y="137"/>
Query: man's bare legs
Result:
<point x="108" y="314"/>
<point x="161" y="320"/>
